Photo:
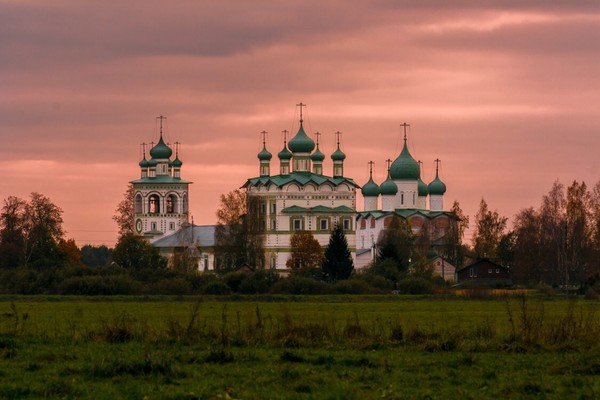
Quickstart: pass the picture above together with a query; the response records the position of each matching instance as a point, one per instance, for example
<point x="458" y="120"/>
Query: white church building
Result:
<point x="300" y="196"/>
<point x="405" y="195"/>
<point x="161" y="207"/>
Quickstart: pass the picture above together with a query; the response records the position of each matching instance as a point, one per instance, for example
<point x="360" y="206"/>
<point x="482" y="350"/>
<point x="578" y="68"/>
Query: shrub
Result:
<point x="377" y="281"/>
<point x="355" y="286"/>
<point x="234" y="279"/>
<point x="300" y="285"/>
<point x="200" y="280"/>
<point x="217" y="287"/>
<point x="412" y="285"/>
<point x="94" y="285"/>
<point x="259" y="281"/>
<point x="178" y="286"/>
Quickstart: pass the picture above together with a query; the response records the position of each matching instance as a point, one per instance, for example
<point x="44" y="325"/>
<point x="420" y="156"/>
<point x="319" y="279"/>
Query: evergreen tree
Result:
<point x="338" y="260"/>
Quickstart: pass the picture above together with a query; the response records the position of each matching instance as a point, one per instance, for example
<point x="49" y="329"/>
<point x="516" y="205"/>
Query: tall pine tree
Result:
<point x="338" y="260"/>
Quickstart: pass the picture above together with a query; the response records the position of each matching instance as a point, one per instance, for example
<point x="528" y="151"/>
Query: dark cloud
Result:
<point x="505" y="93"/>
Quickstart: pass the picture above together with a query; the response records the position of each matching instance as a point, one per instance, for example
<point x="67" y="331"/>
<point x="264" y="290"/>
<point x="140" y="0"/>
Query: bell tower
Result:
<point x="160" y="196"/>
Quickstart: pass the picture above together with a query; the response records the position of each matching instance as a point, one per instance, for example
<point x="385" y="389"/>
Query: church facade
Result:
<point x="300" y="196"/>
<point x="161" y="208"/>
<point x="403" y="194"/>
<point x="160" y="199"/>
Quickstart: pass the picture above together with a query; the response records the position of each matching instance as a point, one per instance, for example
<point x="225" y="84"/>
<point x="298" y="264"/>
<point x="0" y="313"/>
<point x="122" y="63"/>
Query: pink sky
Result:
<point x="506" y="95"/>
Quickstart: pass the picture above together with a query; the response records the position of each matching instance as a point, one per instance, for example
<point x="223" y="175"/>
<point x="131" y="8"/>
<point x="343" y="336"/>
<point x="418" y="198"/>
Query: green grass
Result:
<point x="336" y="347"/>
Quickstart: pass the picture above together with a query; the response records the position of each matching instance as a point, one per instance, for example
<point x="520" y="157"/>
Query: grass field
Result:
<point x="338" y="347"/>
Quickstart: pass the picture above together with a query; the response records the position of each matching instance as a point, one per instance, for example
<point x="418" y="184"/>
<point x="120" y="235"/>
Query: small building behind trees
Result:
<point x="190" y="248"/>
<point x="484" y="272"/>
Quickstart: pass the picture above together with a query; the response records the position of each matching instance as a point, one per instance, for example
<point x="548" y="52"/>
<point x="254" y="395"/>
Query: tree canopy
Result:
<point x="124" y="213"/>
<point x="30" y="232"/>
<point x="239" y="234"/>
<point x="306" y="252"/>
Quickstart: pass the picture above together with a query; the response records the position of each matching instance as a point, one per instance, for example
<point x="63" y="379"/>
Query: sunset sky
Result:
<point x="507" y="95"/>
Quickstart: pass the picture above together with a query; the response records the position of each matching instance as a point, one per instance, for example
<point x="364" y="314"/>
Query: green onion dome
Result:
<point x="152" y="162"/>
<point x="284" y="154"/>
<point x="317" y="155"/>
<point x="264" y="154"/>
<point x="437" y="187"/>
<point x="405" y="167"/>
<point x="177" y="162"/>
<point x="144" y="163"/>
<point x="338" y="155"/>
<point x="371" y="189"/>
<point x="388" y="187"/>
<point x="301" y="143"/>
<point x="161" y="150"/>
<point x="422" y="188"/>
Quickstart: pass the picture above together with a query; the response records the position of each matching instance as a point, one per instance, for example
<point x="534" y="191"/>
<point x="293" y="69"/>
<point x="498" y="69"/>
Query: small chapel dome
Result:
<point x="437" y="187"/>
<point x="317" y="155"/>
<point x="144" y="163"/>
<point x="264" y="154"/>
<point x="371" y="189"/>
<point x="284" y="154"/>
<point x="177" y="162"/>
<point x="338" y="155"/>
<point x="388" y="187"/>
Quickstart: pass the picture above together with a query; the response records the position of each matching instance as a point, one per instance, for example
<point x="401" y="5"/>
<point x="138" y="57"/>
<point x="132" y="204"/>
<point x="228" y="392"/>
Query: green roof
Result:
<point x="318" y="209"/>
<point x="405" y="213"/>
<point x="301" y="178"/>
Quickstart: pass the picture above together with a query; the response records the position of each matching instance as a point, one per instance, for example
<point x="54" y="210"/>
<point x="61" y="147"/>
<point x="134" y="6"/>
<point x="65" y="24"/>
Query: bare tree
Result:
<point x="489" y="228"/>
<point x="12" y="232"/>
<point x="124" y="213"/>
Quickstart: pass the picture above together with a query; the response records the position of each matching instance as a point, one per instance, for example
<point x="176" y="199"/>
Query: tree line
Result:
<point x="555" y="244"/>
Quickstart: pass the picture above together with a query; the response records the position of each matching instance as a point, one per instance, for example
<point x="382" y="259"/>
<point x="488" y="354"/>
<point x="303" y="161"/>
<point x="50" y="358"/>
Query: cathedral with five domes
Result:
<point x="402" y="194"/>
<point x="300" y="196"/>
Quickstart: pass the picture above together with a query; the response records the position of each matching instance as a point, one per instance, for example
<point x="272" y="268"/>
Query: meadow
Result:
<point x="332" y="347"/>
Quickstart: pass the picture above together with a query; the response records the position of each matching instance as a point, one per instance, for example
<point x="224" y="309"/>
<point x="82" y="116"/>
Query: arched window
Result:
<point x="172" y="206"/>
<point x="138" y="204"/>
<point x="154" y="204"/>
